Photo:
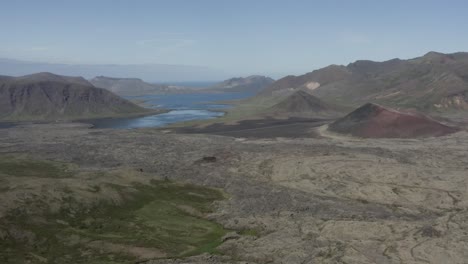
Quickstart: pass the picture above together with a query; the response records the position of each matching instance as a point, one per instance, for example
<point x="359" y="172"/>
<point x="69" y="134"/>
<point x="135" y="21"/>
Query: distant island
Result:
<point x="253" y="83"/>
<point x="135" y="86"/>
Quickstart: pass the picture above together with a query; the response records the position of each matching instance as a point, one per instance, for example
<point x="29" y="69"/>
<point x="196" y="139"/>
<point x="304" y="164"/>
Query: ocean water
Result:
<point x="195" y="85"/>
<point x="6" y="124"/>
<point x="199" y="101"/>
<point x="171" y="117"/>
<point x="184" y="107"/>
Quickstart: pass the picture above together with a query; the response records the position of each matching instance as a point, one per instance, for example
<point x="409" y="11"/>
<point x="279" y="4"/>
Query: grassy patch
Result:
<point x="162" y="217"/>
<point x="19" y="166"/>
<point x="250" y="232"/>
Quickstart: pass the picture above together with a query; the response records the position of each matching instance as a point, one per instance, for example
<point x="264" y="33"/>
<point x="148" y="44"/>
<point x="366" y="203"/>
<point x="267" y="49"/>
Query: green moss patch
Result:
<point x="161" y="220"/>
<point x="250" y="232"/>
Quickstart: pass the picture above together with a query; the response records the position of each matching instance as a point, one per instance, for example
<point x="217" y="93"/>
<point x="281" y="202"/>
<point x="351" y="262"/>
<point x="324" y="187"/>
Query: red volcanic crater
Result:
<point x="375" y="121"/>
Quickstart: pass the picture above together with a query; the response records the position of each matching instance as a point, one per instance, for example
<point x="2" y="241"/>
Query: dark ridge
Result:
<point x="46" y="96"/>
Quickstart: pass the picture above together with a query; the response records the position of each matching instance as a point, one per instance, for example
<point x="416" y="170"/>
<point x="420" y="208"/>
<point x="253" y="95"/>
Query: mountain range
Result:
<point x="435" y="82"/>
<point x="149" y="72"/>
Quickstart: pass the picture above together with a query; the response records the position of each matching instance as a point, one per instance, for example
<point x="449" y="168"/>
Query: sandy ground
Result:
<point x="327" y="199"/>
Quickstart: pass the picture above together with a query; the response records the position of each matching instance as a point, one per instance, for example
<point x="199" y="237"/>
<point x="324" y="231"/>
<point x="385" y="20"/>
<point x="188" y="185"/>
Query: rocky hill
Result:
<point x="302" y="103"/>
<point x="375" y="121"/>
<point x="435" y="82"/>
<point x="132" y="86"/>
<point x="46" y="96"/>
<point x="254" y="83"/>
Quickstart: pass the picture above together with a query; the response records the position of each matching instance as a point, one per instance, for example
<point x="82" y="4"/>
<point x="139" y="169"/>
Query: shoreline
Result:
<point x="12" y="123"/>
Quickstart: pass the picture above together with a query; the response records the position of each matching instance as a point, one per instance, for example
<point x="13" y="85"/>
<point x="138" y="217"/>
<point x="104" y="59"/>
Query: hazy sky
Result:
<point x="239" y="37"/>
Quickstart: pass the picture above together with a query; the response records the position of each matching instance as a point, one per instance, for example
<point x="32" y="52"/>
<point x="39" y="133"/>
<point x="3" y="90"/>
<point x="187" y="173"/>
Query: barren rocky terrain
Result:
<point x="323" y="199"/>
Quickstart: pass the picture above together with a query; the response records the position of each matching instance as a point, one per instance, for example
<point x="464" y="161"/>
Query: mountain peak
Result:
<point x="303" y="103"/>
<point x="51" y="77"/>
<point x="47" y="96"/>
<point x="375" y="121"/>
<point x="432" y="54"/>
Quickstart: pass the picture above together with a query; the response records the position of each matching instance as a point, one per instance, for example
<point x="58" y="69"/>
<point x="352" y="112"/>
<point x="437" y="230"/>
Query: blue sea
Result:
<point x="183" y="107"/>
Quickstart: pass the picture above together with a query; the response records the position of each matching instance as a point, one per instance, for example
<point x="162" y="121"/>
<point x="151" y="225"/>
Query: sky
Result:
<point x="239" y="38"/>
